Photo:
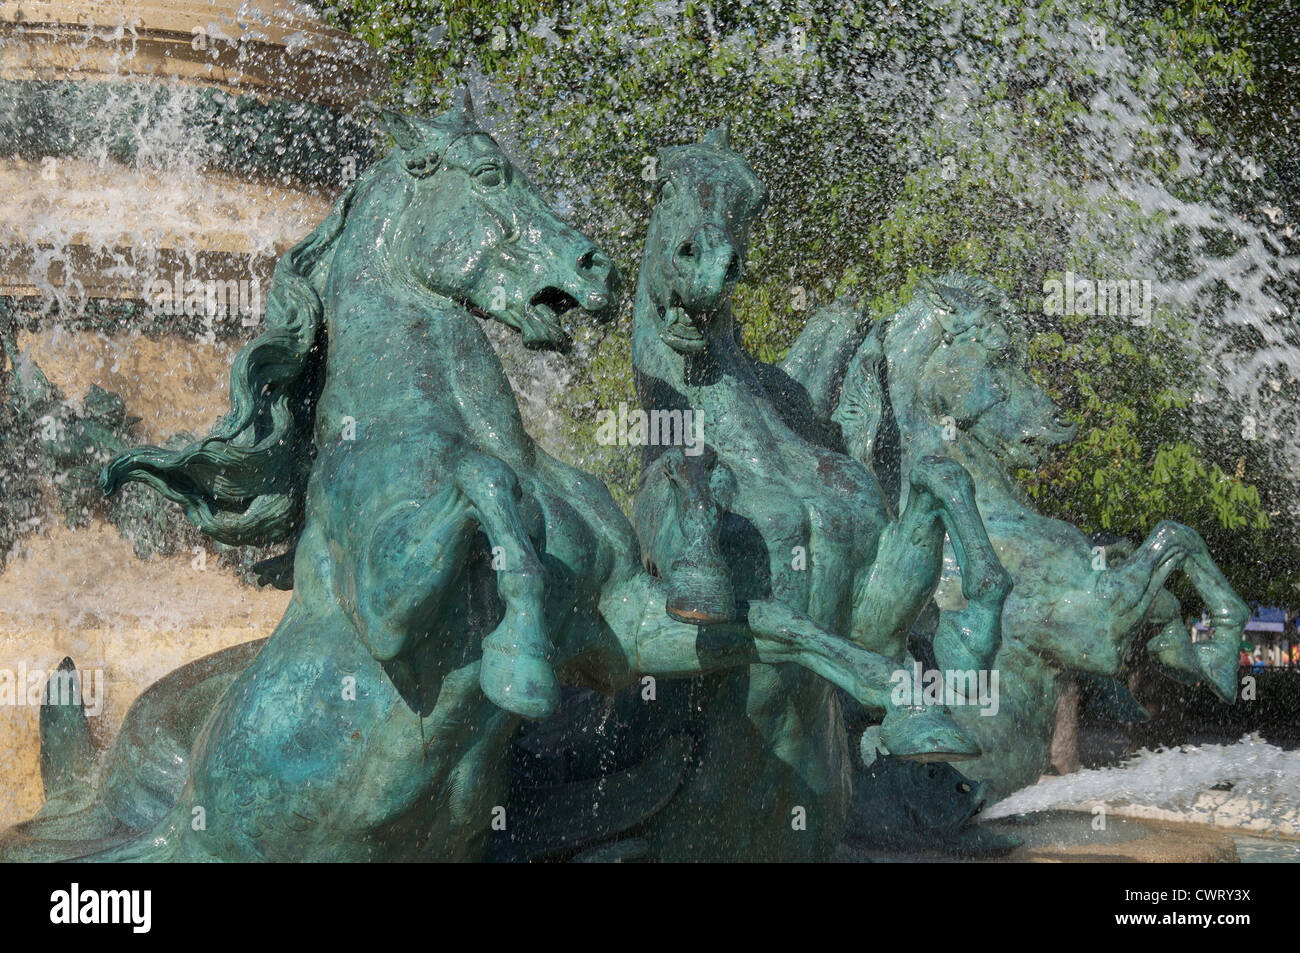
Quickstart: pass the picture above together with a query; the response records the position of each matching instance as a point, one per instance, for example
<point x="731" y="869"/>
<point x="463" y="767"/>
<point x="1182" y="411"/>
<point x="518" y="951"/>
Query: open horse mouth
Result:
<point x="679" y="330"/>
<point x="1017" y="445"/>
<point x="1040" y="444"/>
<point x="540" y="321"/>
<point x="543" y="321"/>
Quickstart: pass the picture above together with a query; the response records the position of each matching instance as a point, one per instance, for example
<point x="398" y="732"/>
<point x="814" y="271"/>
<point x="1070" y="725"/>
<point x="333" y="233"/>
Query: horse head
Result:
<point x="450" y="216"/>
<point x="474" y="229"/>
<point x="951" y="364"/>
<point x="695" y="248"/>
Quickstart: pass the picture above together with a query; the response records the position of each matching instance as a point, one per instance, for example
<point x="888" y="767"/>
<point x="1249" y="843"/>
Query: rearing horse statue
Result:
<point x="946" y="376"/>
<point x="448" y="575"/>
<point x="771" y="515"/>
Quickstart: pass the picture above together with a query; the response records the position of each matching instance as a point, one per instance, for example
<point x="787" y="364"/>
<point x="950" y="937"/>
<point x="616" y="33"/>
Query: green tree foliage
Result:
<point x="1017" y="142"/>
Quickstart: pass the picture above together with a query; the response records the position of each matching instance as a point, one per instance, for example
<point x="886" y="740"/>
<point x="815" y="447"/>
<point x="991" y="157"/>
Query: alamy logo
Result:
<point x="1087" y="297"/>
<point x="655" y="428"/>
<point x="952" y="687"/>
<point x="211" y="298"/>
<point x="103" y="906"/>
<point x="24" y="687"/>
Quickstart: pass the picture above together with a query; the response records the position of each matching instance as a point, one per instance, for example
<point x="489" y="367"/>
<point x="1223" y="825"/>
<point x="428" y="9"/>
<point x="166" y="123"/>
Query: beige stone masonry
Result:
<point x="269" y="49"/>
<point x="84" y="594"/>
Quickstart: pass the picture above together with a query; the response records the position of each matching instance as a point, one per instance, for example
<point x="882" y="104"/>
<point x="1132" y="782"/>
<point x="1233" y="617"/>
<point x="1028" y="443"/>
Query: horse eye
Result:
<point x="489" y="176"/>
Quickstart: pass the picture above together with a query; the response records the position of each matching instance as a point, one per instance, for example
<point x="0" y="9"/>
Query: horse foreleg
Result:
<point x="1140" y="579"/>
<point x="901" y="580"/>
<point x="969" y="638"/>
<point x="516" y="673"/>
<point x="773" y="634"/>
<point x="1171" y="646"/>
<point x="678" y="516"/>
<point x="910" y="730"/>
<point x="414" y="555"/>
<point x="408" y="562"/>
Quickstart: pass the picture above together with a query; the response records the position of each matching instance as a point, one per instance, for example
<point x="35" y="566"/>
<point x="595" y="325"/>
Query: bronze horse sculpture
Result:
<point x="448" y="575"/>
<point x="947" y="375"/>
<point x="773" y="513"/>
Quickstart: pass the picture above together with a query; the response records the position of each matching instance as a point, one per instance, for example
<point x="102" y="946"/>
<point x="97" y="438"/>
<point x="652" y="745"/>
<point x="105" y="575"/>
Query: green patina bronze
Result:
<point x="448" y="575"/>
<point x="771" y="513"/>
<point x="946" y="376"/>
<point x="920" y="809"/>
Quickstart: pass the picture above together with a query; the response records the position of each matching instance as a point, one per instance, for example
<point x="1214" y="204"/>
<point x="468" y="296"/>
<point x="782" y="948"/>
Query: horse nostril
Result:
<point x="686" y="250"/>
<point x="733" y="267"/>
<point x="588" y="259"/>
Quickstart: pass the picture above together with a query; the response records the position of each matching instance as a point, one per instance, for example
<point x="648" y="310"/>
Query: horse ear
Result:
<point x="937" y="293"/>
<point x="404" y="130"/>
<point x="721" y="136"/>
<point x="662" y="158"/>
<point x="466" y="100"/>
<point x="949" y="310"/>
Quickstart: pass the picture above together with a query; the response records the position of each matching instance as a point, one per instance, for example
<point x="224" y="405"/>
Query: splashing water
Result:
<point x="1064" y="120"/>
<point x="1249" y="785"/>
<point x="911" y="94"/>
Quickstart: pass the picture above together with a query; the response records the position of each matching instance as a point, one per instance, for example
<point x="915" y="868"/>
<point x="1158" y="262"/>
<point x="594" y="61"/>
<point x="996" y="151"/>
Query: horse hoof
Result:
<point x="1219" y="668"/>
<point x="1179" y="673"/>
<point x="1176" y="656"/>
<point x="517" y="681"/>
<point x="693" y="614"/>
<point x="700" y="595"/>
<point x="926" y="734"/>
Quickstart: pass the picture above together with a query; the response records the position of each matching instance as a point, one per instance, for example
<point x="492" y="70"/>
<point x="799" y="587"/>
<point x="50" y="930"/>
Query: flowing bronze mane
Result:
<point x="909" y="336"/>
<point x="244" y="483"/>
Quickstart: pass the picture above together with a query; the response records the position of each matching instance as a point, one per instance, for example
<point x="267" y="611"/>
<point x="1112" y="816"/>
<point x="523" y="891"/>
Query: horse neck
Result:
<point x="431" y="350"/>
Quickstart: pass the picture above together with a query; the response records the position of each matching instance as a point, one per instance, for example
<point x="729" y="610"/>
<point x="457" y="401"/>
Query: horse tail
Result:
<point x="245" y="482"/>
